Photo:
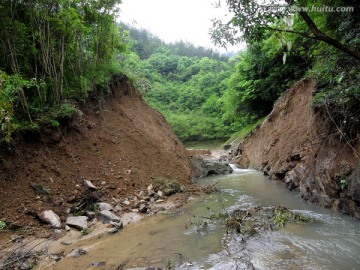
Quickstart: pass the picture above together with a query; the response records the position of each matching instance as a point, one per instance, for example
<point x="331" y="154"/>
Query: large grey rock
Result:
<point x="50" y="217"/>
<point x="206" y="167"/>
<point x="105" y="206"/>
<point x="79" y="222"/>
<point x="217" y="167"/>
<point x="106" y="216"/>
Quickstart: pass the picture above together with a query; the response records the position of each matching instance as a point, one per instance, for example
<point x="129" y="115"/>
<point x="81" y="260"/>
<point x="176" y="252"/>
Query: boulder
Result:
<point x="206" y="167"/>
<point x="106" y="216"/>
<point x="50" y="217"/>
<point x="217" y="167"/>
<point x="104" y="206"/>
<point x="79" y="222"/>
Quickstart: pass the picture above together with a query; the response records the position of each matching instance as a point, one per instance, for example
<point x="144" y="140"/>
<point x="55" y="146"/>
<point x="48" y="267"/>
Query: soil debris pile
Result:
<point x="119" y="145"/>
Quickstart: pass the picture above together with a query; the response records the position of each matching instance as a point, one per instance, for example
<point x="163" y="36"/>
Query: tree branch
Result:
<point x="319" y="35"/>
<point x="292" y="32"/>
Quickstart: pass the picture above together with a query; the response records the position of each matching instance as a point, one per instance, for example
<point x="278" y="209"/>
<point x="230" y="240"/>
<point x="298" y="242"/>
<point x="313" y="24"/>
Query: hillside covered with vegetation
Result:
<point x="56" y="54"/>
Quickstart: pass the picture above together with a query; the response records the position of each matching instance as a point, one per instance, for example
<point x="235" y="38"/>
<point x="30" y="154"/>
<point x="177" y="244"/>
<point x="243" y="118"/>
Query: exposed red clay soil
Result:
<point x="297" y="145"/>
<point x="119" y="144"/>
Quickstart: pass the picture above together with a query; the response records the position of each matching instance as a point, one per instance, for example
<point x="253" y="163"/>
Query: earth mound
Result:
<point x="299" y="145"/>
<point x="118" y="143"/>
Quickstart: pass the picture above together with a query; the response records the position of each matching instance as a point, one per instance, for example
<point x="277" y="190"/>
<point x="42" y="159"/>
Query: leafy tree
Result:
<point x="253" y="18"/>
<point x="54" y="51"/>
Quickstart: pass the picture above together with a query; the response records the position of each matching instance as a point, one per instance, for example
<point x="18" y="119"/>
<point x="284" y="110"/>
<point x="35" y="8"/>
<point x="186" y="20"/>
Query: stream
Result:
<point x="183" y="240"/>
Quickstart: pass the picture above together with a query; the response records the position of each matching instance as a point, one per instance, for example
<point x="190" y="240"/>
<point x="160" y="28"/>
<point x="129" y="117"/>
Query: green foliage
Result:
<point x="85" y="231"/>
<point x="241" y="134"/>
<point x="343" y="182"/>
<point x="2" y="225"/>
<point x="282" y="217"/>
<point x="42" y="191"/>
<point x="253" y="19"/>
<point x="52" y="52"/>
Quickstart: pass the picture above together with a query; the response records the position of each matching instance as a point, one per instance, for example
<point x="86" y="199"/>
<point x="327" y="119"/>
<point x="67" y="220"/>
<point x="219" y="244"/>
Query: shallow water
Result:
<point x="186" y="241"/>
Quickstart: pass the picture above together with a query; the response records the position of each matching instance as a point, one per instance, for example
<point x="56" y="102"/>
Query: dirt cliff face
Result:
<point x="120" y="144"/>
<point x="297" y="145"/>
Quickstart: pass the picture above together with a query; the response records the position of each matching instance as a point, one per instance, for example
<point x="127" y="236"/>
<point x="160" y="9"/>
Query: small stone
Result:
<point x="117" y="225"/>
<point x="118" y="208"/>
<point x="103" y="183"/>
<point x="142" y="208"/>
<point x="159" y="201"/>
<point x="150" y="190"/>
<point x="113" y="230"/>
<point x="104" y="206"/>
<point x="50" y="217"/>
<point x="79" y="222"/>
<point x="160" y="193"/>
<point x="106" y="216"/>
<point x="135" y="210"/>
<point x="90" y="214"/>
<point x="77" y="252"/>
<point x="58" y="231"/>
<point x="25" y="266"/>
<point x="55" y="257"/>
<point x="66" y="243"/>
<point x="141" y="195"/>
<point x="98" y="264"/>
<point x="126" y="202"/>
<point x="89" y="185"/>
<point x="152" y="200"/>
<point x="67" y="228"/>
<point x="93" y="222"/>
<point x="77" y="186"/>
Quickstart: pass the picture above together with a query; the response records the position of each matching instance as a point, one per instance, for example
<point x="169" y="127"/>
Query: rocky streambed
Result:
<point x="245" y="222"/>
<point x="240" y="227"/>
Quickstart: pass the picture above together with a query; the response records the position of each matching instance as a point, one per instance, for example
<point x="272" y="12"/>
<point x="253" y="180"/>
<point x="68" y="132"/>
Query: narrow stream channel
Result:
<point x="184" y="241"/>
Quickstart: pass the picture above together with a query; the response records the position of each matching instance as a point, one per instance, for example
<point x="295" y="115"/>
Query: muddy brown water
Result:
<point x="184" y="241"/>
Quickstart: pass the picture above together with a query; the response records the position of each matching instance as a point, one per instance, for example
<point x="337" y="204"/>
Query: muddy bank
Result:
<point x="118" y="143"/>
<point x="298" y="145"/>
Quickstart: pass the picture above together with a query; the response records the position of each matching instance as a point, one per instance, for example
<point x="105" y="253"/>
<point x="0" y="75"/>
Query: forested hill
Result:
<point x="206" y="95"/>
<point x="55" y="55"/>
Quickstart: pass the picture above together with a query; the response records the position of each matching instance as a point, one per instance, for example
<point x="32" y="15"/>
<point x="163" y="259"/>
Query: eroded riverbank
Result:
<point x="181" y="239"/>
